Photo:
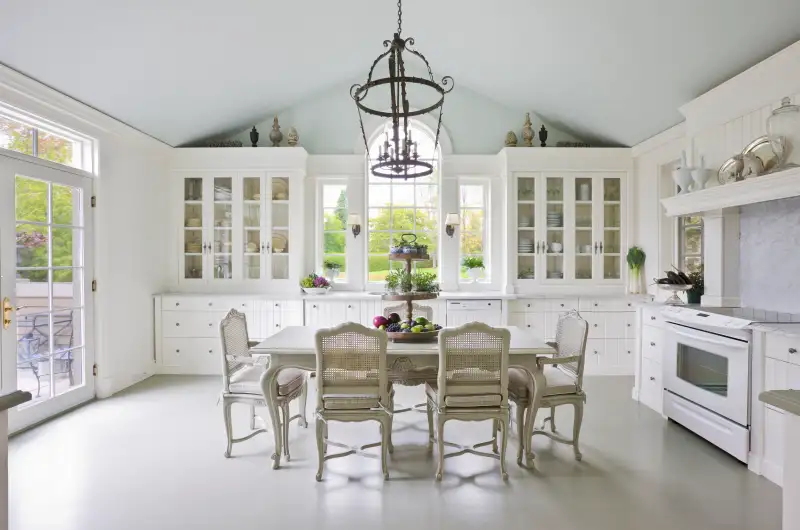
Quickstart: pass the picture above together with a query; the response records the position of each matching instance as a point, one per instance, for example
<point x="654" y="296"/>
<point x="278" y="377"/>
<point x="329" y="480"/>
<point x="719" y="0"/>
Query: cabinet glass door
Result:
<point x="584" y="218"/>
<point x="222" y="240"/>
<point x="279" y="225"/>
<point x="253" y="244"/>
<point x="554" y="224"/>
<point x="611" y="243"/>
<point x="526" y="228"/>
<point x="193" y="245"/>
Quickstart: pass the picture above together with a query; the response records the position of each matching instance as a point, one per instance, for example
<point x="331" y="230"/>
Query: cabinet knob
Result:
<point x="489" y="303"/>
<point x="562" y="305"/>
<point x="629" y="352"/>
<point x="595" y="305"/>
<point x="349" y="306"/>
<point x="529" y="325"/>
<point x="177" y="323"/>
<point x="792" y="350"/>
<point x="653" y="344"/>
<point x="628" y="325"/>
<point x="210" y="304"/>
<point x="210" y="324"/>
<point x="629" y="304"/>
<point x="177" y="351"/>
<point x="652" y="318"/>
<point x="210" y="351"/>
<point x="595" y="352"/>
<point x="277" y="305"/>
<point x="313" y="307"/>
<point x="277" y="325"/>
<point x="177" y="304"/>
<point x="529" y="305"/>
<point x="652" y="378"/>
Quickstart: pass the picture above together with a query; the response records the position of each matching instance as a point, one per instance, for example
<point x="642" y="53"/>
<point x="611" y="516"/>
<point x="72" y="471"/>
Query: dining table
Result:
<point x="295" y="347"/>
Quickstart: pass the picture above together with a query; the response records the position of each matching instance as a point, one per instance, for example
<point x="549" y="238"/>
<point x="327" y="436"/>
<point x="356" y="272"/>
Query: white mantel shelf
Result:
<point x="781" y="185"/>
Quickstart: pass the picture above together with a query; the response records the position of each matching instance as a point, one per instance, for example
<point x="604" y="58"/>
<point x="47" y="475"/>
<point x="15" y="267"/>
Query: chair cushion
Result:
<point x="350" y="402"/>
<point x="464" y="401"/>
<point x="558" y="383"/>
<point x="246" y="381"/>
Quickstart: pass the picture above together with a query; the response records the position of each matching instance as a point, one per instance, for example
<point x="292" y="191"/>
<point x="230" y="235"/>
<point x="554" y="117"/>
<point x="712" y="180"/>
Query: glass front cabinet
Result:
<point x="568" y="228"/>
<point x="240" y="227"/>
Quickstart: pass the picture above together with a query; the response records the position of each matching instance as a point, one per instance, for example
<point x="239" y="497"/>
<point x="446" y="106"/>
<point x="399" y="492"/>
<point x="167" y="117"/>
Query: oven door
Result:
<point x="708" y="369"/>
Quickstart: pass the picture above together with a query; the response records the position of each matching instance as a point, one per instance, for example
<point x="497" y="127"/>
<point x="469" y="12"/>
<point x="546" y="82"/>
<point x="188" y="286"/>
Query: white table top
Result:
<point x="299" y="340"/>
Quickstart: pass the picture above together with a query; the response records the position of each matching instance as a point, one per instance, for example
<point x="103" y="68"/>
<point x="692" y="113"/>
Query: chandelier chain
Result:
<point x="399" y="17"/>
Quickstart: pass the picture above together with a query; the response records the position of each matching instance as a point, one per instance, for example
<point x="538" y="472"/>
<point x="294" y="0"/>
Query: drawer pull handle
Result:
<point x="562" y="305"/>
<point x="489" y="303"/>
<point x="595" y="305"/>
<point x="793" y="350"/>
<point x="653" y="344"/>
<point x="210" y="324"/>
<point x="177" y="323"/>
<point x="595" y="352"/>
<point x="277" y="325"/>
<point x="314" y="307"/>
<point x="210" y="351"/>
<point x="652" y="378"/>
<point x="652" y="318"/>
<point x="529" y="325"/>
<point x="349" y="306"/>
<point x="277" y="305"/>
<point x="629" y="304"/>
<point x="210" y="304"/>
<point x="177" y="304"/>
<point x="529" y="305"/>
<point x="177" y="351"/>
<point x="628" y="325"/>
<point x="629" y="352"/>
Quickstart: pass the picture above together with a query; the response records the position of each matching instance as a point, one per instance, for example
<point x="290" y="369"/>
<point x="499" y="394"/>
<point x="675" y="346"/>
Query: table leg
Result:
<point x="269" y="387"/>
<point x="536" y="387"/>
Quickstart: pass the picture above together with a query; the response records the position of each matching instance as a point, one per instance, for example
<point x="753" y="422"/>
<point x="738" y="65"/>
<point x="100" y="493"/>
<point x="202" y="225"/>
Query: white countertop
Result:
<point x="790" y="330"/>
<point x="788" y="400"/>
<point x="365" y="295"/>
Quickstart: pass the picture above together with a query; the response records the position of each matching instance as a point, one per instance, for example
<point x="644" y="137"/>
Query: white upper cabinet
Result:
<point x="239" y="226"/>
<point x="567" y="228"/>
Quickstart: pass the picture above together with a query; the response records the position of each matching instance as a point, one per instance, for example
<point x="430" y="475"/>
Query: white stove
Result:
<point x="707" y="372"/>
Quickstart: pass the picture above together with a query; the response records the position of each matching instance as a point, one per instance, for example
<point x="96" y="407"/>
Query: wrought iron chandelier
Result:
<point x="397" y="156"/>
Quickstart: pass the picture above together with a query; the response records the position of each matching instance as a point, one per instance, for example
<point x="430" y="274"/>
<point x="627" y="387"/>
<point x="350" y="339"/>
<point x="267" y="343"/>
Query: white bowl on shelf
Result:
<point x="316" y="290"/>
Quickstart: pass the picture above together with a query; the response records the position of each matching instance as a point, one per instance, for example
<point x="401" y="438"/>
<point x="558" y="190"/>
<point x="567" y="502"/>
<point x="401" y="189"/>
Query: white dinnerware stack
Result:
<point x="525" y="246"/>
<point x="555" y="219"/>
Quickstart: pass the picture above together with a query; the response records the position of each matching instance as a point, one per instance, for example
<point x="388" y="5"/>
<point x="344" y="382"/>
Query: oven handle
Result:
<point x="703" y="339"/>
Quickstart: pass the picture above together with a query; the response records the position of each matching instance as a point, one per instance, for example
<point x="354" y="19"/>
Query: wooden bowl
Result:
<point x="424" y="336"/>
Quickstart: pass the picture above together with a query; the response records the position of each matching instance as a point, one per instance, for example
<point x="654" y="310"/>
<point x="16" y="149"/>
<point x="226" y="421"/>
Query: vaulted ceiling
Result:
<point x="610" y="71"/>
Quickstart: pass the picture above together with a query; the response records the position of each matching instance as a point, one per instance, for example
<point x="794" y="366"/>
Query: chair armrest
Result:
<point x="261" y="360"/>
<point x="252" y="343"/>
<point x="540" y="361"/>
<point x="553" y="345"/>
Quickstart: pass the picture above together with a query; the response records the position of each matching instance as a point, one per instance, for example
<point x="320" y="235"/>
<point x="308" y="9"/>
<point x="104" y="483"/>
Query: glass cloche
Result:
<point x="783" y="129"/>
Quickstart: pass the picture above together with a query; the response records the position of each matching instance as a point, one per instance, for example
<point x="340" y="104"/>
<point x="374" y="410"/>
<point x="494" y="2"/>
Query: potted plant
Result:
<point x="636" y="257"/>
<point x="474" y="266"/>
<point x="315" y="284"/>
<point x="332" y="268"/>
<point x="698" y="286"/>
<point x="393" y="281"/>
<point x="425" y="282"/>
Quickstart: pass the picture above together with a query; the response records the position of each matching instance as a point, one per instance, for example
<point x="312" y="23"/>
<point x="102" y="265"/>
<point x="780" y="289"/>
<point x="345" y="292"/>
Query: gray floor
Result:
<point x="151" y="458"/>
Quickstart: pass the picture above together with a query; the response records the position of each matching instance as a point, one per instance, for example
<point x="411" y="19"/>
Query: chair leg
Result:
<point x="495" y="428"/>
<point x="552" y="419"/>
<point x="325" y="437"/>
<point x="226" y="414"/>
<point x="576" y="430"/>
<point x="285" y="429"/>
<point x="252" y="417"/>
<point x="302" y="403"/>
<point x="440" y="443"/>
<point x="503" y="446"/>
<point x="386" y="432"/>
<point x="431" y="435"/>
<point x="321" y="446"/>
<point x="390" y="447"/>
<point x="520" y="432"/>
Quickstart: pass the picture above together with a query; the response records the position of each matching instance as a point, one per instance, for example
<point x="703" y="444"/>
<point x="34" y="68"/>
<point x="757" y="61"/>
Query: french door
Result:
<point x="45" y="288"/>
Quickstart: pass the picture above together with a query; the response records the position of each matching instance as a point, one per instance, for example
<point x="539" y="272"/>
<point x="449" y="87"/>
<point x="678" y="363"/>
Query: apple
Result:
<point x="421" y="321"/>
<point x="404" y="325"/>
<point x="394" y="318"/>
<point x="417" y="329"/>
<point x="379" y="321"/>
<point x="382" y="328"/>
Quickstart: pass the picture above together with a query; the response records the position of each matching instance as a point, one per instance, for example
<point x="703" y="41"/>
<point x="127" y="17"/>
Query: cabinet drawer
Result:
<point x="652" y="342"/>
<point x="527" y="305"/>
<point x="651" y="391"/>
<point x="205" y="303"/>
<point x="286" y="305"/>
<point x="474" y="305"/>
<point x="604" y="304"/>
<point x="597" y="325"/>
<point x="197" y="356"/>
<point x="783" y="348"/>
<point x="651" y="316"/>
<point x="191" y="324"/>
<point x="563" y="304"/>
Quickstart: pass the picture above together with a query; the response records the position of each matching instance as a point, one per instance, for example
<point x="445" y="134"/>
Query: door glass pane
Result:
<point x="223" y="189"/>
<point x="611" y="267"/>
<point x="49" y="288"/>
<point x="280" y="189"/>
<point x="703" y="369"/>
<point x="554" y="243"/>
<point x="16" y="136"/>
<point x="526" y="228"/>
<point x="193" y="189"/>
<point x="222" y="267"/>
<point x="526" y="189"/>
<point x="252" y="237"/>
<point x="193" y="220"/>
<point x="252" y="267"/>
<point x="612" y="189"/>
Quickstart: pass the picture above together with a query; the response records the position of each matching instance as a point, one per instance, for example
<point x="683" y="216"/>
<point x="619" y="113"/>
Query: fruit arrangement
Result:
<point x="394" y="324"/>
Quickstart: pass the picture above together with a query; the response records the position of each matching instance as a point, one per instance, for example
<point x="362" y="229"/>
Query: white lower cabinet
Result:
<point x="651" y="390"/>
<point x="610" y="348"/>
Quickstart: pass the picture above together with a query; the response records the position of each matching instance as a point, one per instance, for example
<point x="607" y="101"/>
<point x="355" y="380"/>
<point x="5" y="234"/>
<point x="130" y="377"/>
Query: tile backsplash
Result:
<point x="770" y="255"/>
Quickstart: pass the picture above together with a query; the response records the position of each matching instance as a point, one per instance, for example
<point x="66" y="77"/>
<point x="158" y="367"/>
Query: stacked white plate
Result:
<point x="525" y="246"/>
<point x="555" y="219"/>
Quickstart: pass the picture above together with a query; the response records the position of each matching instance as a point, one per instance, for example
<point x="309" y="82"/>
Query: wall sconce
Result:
<point x="354" y="220"/>
<point x="451" y="222"/>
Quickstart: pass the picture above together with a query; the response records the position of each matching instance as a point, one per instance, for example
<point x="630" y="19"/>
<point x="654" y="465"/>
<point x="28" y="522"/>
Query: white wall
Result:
<point x="129" y="221"/>
<point x="328" y="123"/>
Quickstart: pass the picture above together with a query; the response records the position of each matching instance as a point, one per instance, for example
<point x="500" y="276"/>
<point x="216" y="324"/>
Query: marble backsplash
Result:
<point x="770" y="255"/>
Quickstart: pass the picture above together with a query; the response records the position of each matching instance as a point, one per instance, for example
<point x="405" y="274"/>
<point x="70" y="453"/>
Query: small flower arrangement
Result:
<point x="315" y="284"/>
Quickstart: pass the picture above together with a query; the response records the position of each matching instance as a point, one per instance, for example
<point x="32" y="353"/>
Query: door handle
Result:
<point x="7" y="310"/>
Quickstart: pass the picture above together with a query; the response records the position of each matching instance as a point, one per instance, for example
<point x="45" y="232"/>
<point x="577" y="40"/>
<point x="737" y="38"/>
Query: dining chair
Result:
<point x="241" y="375"/>
<point x="402" y="371"/>
<point x="564" y="375"/>
<point x="472" y="385"/>
<point x="352" y="386"/>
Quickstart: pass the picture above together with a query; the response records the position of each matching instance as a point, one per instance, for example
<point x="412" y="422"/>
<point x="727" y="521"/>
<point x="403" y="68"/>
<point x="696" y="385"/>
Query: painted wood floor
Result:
<point x="152" y="458"/>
